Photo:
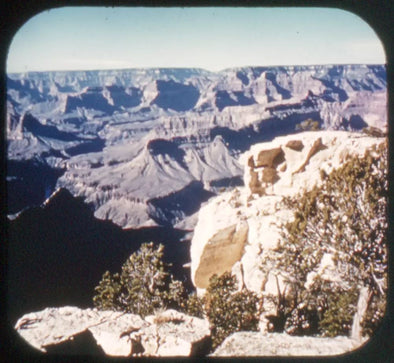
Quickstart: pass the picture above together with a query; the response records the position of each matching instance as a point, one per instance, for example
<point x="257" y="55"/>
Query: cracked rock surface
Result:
<point x="168" y="333"/>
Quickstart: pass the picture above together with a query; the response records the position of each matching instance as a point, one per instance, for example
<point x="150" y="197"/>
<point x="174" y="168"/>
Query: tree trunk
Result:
<point x="362" y="305"/>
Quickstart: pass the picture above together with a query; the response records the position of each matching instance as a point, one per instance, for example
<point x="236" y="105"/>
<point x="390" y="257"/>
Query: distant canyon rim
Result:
<point x="159" y="142"/>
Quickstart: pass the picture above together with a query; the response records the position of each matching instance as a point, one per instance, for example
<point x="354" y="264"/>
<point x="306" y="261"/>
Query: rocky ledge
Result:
<point x="168" y="333"/>
<point x="275" y="344"/>
<point x="237" y="229"/>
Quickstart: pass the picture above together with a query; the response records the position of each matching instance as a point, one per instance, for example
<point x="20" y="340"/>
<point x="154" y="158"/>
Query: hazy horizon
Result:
<point x="199" y="68"/>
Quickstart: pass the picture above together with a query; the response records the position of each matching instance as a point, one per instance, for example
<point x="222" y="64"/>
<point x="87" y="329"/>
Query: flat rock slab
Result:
<point x="55" y="325"/>
<point x="168" y="333"/>
<point x="275" y="344"/>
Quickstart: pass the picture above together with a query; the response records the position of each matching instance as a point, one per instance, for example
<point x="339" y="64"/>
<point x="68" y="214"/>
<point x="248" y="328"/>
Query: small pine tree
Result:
<point x="108" y="291"/>
<point x="143" y="286"/>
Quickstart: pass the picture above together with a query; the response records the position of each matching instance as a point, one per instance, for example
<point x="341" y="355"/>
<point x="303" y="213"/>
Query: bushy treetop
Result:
<point x="143" y="286"/>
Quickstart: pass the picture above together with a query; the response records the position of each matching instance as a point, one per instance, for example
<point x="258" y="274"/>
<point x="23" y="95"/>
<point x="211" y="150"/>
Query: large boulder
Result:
<point x="169" y="333"/>
<point x="56" y="325"/>
<point x="269" y="158"/>
<point x="172" y="333"/>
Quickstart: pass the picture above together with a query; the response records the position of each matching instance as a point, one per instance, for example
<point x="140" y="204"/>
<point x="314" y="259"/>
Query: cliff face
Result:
<point x="272" y="171"/>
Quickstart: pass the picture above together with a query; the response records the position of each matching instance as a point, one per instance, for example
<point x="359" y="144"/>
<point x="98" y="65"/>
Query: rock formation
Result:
<point x="168" y="333"/>
<point x="221" y="252"/>
<point x="283" y="167"/>
<point x="132" y="140"/>
<point x="70" y="330"/>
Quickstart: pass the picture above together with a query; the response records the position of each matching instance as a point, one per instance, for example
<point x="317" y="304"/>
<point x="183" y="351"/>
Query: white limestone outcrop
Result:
<point x="272" y="170"/>
<point x="166" y="334"/>
<point x="169" y="333"/>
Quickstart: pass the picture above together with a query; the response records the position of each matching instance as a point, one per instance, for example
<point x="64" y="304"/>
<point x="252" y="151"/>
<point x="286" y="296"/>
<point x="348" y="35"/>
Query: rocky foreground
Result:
<point x="278" y="344"/>
<point x="169" y="333"/>
<point x="166" y="334"/>
<point x="235" y="230"/>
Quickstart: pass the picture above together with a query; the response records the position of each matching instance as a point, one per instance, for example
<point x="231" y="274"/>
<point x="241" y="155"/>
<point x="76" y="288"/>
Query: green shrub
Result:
<point x="338" y="315"/>
<point x="297" y="311"/>
<point x="143" y="286"/>
<point x="195" y="306"/>
<point x="229" y="310"/>
<point x="108" y="292"/>
<point x="374" y="315"/>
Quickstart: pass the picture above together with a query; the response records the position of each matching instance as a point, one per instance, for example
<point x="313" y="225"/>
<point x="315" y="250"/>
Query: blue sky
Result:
<point x="209" y="38"/>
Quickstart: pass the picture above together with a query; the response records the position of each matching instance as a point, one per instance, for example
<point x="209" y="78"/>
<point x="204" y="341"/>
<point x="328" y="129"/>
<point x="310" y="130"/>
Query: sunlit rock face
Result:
<point x="112" y="333"/>
<point x="127" y="140"/>
<point x="297" y="162"/>
<point x="221" y="252"/>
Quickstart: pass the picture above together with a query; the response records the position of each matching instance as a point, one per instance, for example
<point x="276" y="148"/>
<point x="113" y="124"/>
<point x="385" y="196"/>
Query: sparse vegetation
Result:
<point x="345" y="218"/>
<point x="145" y="287"/>
<point x="340" y="225"/>
<point x="373" y="131"/>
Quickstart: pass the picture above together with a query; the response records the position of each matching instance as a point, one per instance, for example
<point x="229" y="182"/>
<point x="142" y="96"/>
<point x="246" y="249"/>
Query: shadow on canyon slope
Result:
<point x="56" y="254"/>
